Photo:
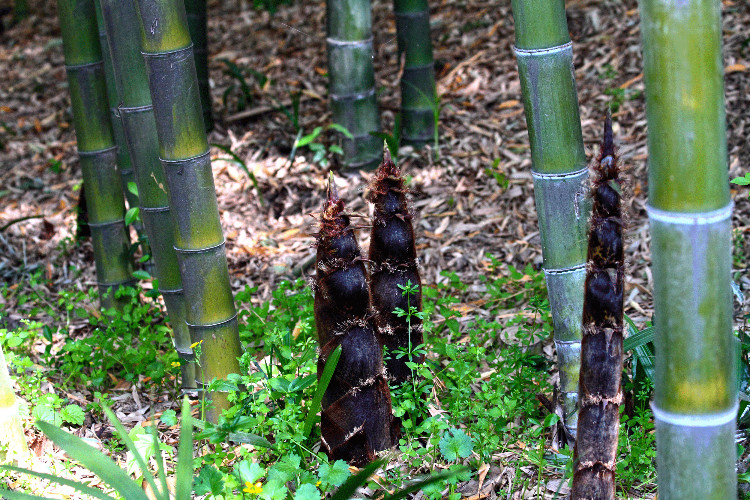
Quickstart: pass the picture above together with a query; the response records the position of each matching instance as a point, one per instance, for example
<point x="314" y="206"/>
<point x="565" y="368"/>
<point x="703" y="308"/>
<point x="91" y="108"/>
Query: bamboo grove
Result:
<point x="141" y="107"/>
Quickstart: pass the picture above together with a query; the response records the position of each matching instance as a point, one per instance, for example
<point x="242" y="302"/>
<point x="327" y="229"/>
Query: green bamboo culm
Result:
<point x="689" y="208"/>
<point x="418" y="98"/>
<point x="352" y="80"/>
<point x="124" y="162"/>
<point x="139" y="128"/>
<point x="96" y="147"/>
<point x="545" y="65"/>
<point x="197" y="18"/>
<point x="20" y="10"/>
<point x="185" y="156"/>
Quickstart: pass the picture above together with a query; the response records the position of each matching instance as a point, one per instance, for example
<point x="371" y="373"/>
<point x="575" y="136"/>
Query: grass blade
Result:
<point x="184" y="471"/>
<point x="325" y="379"/>
<point x="421" y="483"/>
<point x="94" y="460"/>
<point x="83" y="488"/>
<point x="347" y="489"/>
<point x="131" y="447"/>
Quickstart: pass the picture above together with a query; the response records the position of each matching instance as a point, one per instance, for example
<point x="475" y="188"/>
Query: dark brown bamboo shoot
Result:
<point x="393" y="261"/>
<point x="356" y="419"/>
<point x="601" y="349"/>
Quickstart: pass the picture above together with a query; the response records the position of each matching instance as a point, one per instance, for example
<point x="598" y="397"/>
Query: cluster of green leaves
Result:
<point x="123" y="344"/>
<point x="112" y="345"/>
<point x="239" y="75"/>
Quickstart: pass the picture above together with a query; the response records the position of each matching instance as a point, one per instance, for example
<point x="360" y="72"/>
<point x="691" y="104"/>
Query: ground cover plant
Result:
<point x="484" y="396"/>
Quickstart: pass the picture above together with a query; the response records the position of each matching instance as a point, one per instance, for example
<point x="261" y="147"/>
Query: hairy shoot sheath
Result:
<point x="393" y="261"/>
<point x="601" y="349"/>
<point x="356" y="418"/>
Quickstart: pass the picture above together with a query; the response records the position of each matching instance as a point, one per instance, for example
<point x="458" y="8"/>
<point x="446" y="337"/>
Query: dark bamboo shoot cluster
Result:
<point x="393" y="261"/>
<point x="601" y="350"/>
<point x="356" y="419"/>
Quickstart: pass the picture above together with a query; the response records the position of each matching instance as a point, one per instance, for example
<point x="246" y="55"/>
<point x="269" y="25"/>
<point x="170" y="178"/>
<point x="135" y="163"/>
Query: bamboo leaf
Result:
<point x="342" y="129"/>
<point x="94" y="460"/>
<point x="325" y="379"/>
<point x="131" y="215"/>
<point x="253" y="439"/>
<point x="304" y="141"/>
<point x="638" y="339"/>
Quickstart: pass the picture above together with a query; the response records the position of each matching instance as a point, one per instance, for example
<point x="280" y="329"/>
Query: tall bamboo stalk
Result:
<point x="96" y="146"/>
<point x="139" y="128"/>
<point x="185" y="156"/>
<point x="601" y="348"/>
<point x="197" y="18"/>
<point x="545" y="66"/>
<point x="689" y="207"/>
<point x="352" y="80"/>
<point x="124" y="162"/>
<point x="418" y="99"/>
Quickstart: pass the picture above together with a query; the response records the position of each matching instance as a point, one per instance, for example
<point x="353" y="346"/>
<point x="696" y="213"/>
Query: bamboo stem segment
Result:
<point x="185" y="156"/>
<point x="124" y="162"/>
<point x="695" y="397"/>
<point x="545" y="66"/>
<point x="197" y="18"/>
<point x="418" y="98"/>
<point x="96" y="147"/>
<point x="139" y="129"/>
<point x="352" y="80"/>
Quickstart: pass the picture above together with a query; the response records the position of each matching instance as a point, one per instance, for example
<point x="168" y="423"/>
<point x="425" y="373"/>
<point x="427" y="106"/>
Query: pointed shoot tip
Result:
<point x="386" y="153"/>
<point x="333" y="191"/>
<point x="608" y="145"/>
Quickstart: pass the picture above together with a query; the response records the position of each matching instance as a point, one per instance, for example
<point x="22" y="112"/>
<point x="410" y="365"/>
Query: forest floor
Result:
<point x="472" y="193"/>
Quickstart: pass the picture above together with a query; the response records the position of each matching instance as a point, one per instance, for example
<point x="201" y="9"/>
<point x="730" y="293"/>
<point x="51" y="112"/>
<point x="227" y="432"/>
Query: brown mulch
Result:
<point x="462" y="212"/>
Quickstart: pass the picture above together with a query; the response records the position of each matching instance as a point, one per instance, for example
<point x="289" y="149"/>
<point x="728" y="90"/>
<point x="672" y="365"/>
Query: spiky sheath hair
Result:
<point x="393" y="262"/>
<point x="356" y="419"/>
<point x="601" y="348"/>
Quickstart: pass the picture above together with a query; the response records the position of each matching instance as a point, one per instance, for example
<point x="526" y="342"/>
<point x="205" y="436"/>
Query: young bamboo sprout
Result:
<point x="356" y="419"/>
<point x="690" y="216"/>
<point x="601" y="349"/>
<point x="393" y="261"/>
<point x="558" y="165"/>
